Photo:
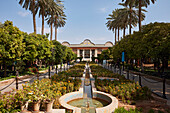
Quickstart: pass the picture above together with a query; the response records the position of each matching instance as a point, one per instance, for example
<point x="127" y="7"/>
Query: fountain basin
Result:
<point x="110" y="107"/>
<point x="95" y="102"/>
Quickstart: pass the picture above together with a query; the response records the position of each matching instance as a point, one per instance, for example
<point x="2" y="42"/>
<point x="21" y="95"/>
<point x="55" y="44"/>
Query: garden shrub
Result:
<point x="123" y="110"/>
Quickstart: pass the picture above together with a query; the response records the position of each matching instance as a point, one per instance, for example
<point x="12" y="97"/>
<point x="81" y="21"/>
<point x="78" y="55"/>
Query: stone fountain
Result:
<point x="87" y="99"/>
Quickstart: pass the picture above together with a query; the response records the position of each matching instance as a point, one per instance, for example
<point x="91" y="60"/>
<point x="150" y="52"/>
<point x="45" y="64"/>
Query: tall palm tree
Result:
<point x="112" y="23"/>
<point x="59" y="22"/>
<point x="41" y="8"/>
<point x="55" y="8"/>
<point x="139" y="4"/>
<point x="30" y="4"/>
<point x="118" y="20"/>
<point x="129" y="7"/>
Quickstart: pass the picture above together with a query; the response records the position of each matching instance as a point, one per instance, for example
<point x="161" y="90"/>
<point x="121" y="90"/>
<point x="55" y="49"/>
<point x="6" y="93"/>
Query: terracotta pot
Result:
<point x="36" y="106"/>
<point x="49" y="106"/>
<point x="24" y="107"/>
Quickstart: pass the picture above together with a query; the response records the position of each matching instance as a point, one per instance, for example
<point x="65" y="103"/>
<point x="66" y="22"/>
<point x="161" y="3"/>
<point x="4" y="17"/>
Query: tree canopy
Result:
<point x="16" y="45"/>
<point x="152" y="42"/>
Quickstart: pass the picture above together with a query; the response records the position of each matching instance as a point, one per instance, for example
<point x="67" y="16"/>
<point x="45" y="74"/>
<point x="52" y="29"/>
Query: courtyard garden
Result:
<point x="41" y="92"/>
<point x="132" y="97"/>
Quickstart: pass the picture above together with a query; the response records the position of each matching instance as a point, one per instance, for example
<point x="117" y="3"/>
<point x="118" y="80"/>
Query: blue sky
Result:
<point x="85" y="18"/>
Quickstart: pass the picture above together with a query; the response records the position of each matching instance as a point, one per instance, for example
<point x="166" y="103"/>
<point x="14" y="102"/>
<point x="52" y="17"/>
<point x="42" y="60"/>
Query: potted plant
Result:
<point x="49" y="97"/>
<point x="35" y="96"/>
<point x="22" y="98"/>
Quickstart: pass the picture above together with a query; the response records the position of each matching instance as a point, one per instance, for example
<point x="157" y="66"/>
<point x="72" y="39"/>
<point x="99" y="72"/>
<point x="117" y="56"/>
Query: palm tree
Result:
<point x="30" y="4"/>
<point x="112" y="23"/>
<point x="139" y="4"/>
<point x="59" y="22"/>
<point x="55" y="8"/>
<point x="118" y="20"/>
<point x="131" y="15"/>
<point x="41" y="7"/>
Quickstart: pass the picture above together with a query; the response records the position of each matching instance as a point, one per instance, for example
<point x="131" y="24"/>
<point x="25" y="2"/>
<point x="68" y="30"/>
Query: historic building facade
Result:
<point x="87" y="49"/>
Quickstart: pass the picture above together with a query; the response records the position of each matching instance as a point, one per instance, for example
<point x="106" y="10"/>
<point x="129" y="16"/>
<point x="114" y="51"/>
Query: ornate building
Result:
<point x="87" y="49"/>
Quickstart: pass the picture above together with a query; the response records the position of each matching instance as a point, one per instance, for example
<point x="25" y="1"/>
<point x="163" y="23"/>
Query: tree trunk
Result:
<point x="166" y="63"/>
<point x="163" y="65"/>
<point x="5" y="68"/>
<point x="142" y="65"/>
<point x="124" y="30"/>
<point x="118" y="34"/>
<point x="130" y="24"/>
<point x="33" y="12"/>
<point x="56" y="33"/>
<point x="140" y="15"/>
<point x="115" y="36"/>
<point x="51" y="27"/>
<point x="158" y="67"/>
<point x="1" y="67"/>
<point x="42" y="21"/>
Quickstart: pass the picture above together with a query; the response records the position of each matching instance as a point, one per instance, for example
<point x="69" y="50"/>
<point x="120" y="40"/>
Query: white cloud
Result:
<point x="99" y="40"/>
<point x="103" y="10"/>
<point x="60" y="30"/>
<point x="23" y="14"/>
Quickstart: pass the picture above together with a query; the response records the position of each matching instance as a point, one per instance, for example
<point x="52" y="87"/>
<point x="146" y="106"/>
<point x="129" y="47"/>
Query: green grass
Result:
<point x="13" y="76"/>
<point x="6" y="78"/>
<point x="43" y="68"/>
<point x="123" y="110"/>
<point x="22" y="74"/>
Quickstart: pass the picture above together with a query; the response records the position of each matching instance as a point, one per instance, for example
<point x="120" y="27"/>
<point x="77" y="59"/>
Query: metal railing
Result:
<point x="140" y="76"/>
<point x="18" y="79"/>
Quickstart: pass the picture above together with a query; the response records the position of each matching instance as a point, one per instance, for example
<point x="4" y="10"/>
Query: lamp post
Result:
<point x="164" y="80"/>
<point x="123" y="59"/>
<point x="49" y="70"/>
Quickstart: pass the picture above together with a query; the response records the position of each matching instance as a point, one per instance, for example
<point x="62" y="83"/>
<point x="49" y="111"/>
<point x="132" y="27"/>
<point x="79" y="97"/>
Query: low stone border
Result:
<point x="53" y="111"/>
<point x="68" y="97"/>
<point x="109" y="108"/>
<point x="96" y="94"/>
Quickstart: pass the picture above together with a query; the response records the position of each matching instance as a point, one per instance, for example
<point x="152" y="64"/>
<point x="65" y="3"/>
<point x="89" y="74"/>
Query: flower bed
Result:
<point x="99" y="71"/>
<point x="126" y="90"/>
<point x="75" y="71"/>
<point x="43" y="91"/>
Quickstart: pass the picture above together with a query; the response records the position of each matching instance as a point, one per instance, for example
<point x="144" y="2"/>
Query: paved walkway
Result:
<point x="21" y="82"/>
<point x="155" y="86"/>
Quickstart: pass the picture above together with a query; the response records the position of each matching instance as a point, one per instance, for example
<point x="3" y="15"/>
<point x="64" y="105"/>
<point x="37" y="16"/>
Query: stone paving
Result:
<point x="29" y="79"/>
<point x="155" y="86"/>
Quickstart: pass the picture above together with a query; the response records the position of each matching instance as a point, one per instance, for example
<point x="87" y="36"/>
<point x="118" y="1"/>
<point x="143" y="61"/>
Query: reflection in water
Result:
<point x="95" y="102"/>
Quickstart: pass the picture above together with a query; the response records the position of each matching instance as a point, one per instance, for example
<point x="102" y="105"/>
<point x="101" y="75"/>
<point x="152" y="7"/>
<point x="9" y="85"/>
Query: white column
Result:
<point x="90" y="55"/>
<point x="78" y="52"/>
<point x="83" y="53"/>
<point x="95" y="53"/>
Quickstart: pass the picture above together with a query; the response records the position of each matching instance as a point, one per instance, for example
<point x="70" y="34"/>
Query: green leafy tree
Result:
<point x="70" y="54"/>
<point x="152" y="42"/>
<point x="58" y="52"/>
<point x="11" y="44"/>
<point x="32" y="43"/>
